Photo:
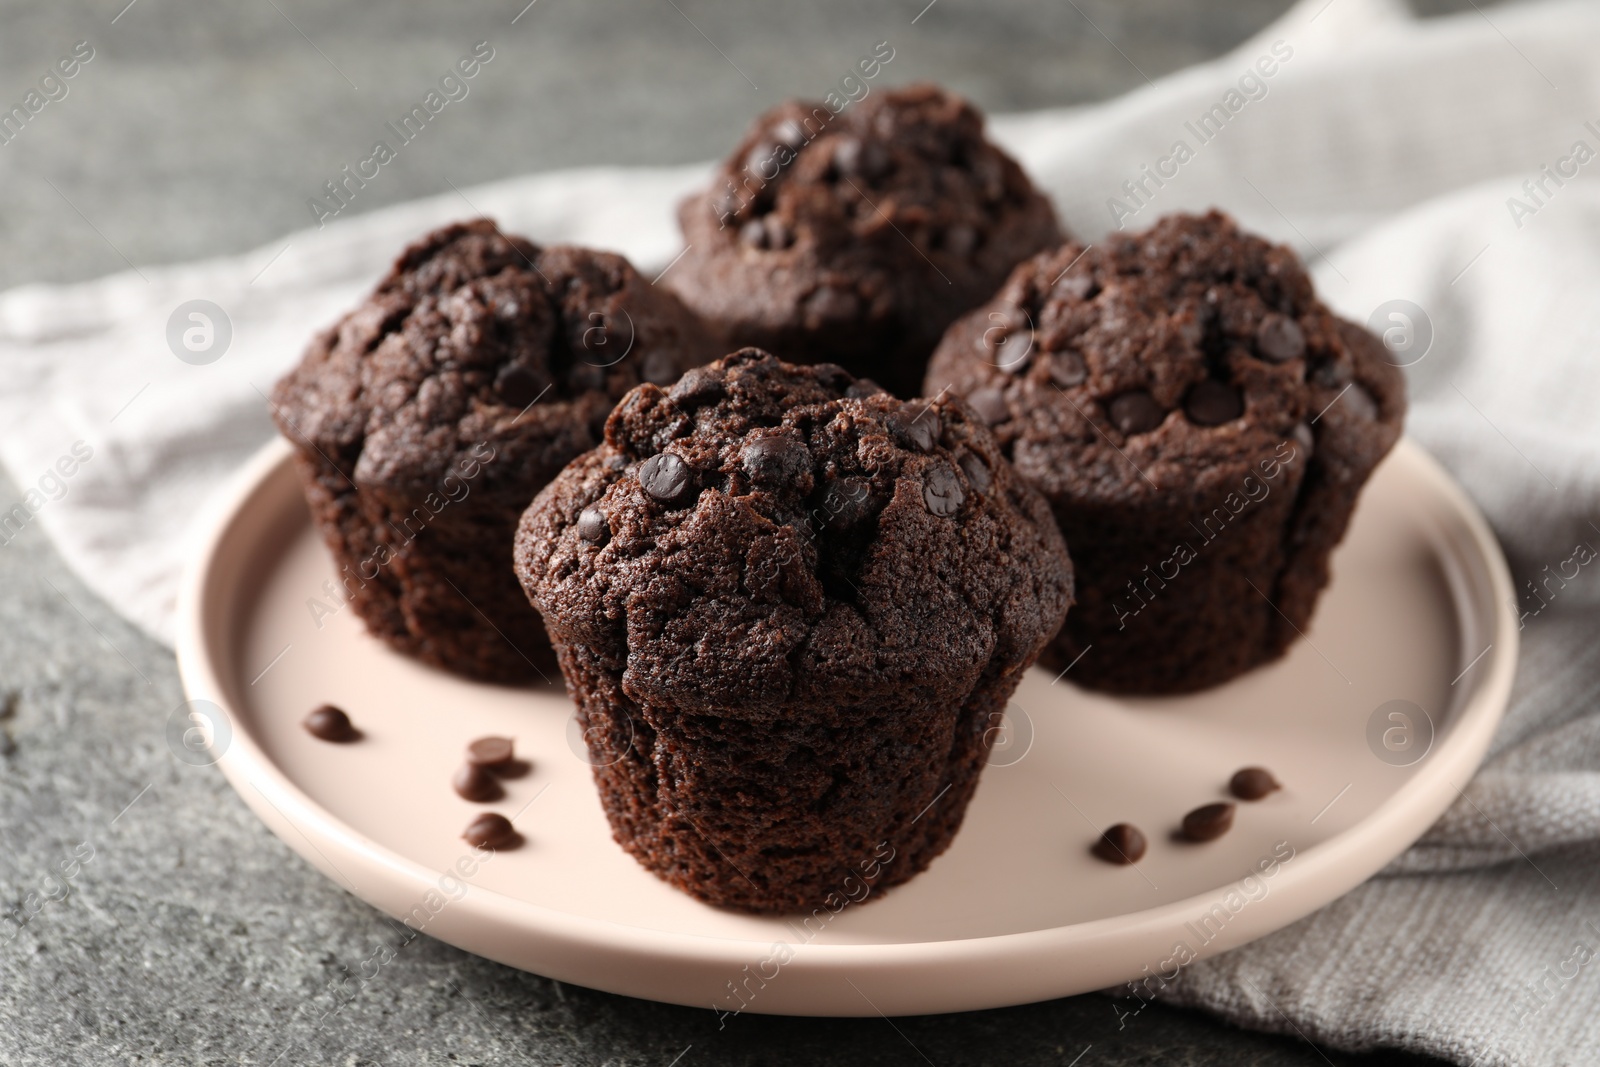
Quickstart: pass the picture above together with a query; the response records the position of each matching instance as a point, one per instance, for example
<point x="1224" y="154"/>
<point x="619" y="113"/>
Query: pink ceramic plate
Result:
<point x="1372" y="723"/>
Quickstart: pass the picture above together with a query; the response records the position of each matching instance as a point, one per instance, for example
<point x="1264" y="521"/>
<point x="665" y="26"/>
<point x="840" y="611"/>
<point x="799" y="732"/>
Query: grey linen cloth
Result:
<point x="1404" y="159"/>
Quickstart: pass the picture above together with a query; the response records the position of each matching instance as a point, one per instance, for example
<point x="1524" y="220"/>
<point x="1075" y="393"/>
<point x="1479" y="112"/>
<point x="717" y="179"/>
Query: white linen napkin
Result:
<point x="1392" y="153"/>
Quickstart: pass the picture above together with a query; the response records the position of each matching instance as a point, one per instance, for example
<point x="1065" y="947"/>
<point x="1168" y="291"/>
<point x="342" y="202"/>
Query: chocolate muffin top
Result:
<point x="764" y="537"/>
<point x="869" y="230"/>
<point x="475" y="337"/>
<point x="1163" y="365"/>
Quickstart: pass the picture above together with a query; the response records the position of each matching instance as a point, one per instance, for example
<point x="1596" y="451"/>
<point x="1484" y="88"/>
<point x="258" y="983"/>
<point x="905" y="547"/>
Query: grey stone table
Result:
<point x="145" y="915"/>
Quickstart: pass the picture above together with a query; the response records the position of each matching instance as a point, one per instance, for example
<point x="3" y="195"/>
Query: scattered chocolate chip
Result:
<point x="329" y="723"/>
<point x="754" y="233"/>
<point x="1212" y="403"/>
<point x="989" y="405"/>
<point x="941" y="491"/>
<point x="1122" y="844"/>
<point x="916" y="425"/>
<point x="1361" y="402"/>
<point x="517" y="385"/>
<point x="1136" y="412"/>
<point x="491" y="830"/>
<point x="1208" y="822"/>
<point x="699" y="386"/>
<point x="845" y="502"/>
<point x="1303" y="437"/>
<point x="491" y="752"/>
<point x="775" y="459"/>
<point x="666" y="478"/>
<point x="1252" y="783"/>
<point x="475" y="783"/>
<point x="593" y="527"/>
<point x="1330" y="374"/>
<point x="1280" y="339"/>
<point x="977" y="471"/>
<point x="1067" y="369"/>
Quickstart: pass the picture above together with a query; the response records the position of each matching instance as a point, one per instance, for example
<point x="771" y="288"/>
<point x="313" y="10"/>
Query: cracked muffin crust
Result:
<point x="1201" y="425"/>
<point x="425" y="419"/>
<point x="789" y="606"/>
<point x="857" y="237"/>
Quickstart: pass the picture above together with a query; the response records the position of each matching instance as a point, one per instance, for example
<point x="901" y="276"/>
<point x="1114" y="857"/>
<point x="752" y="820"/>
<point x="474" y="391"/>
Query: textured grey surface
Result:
<point x="193" y="935"/>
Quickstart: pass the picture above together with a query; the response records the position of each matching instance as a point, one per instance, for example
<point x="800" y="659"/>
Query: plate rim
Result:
<point x="1340" y="862"/>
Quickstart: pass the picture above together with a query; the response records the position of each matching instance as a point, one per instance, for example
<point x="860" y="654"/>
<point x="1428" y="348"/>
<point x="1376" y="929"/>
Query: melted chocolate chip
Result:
<point x="775" y="460"/>
<point x="845" y="502"/>
<point x="666" y="478"/>
<point x="517" y="385"/>
<point x="1208" y="822"/>
<point x="1078" y="286"/>
<point x="941" y="491"/>
<point x="854" y="158"/>
<point x="1212" y="403"/>
<point x="698" y="387"/>
<point x="1252" y="783"/>
<point x="1015" y="353"/>
<point x="1067" y="369"/>
<point x="1136" y="412"/>
<point x="976" y="470"/>
<point x="1280" y="339"/>
<point x="1303" y="438"/>
<point x="491" y="752"/>
<point x="593" y="527"/>
<point x="491" y="830"/>
<point x="989" y="405"/>
<point x="917" y="426"/>
<point x="1122" y="844"/>
<point x="329" y="723"/>
<point x="475" y="783"/>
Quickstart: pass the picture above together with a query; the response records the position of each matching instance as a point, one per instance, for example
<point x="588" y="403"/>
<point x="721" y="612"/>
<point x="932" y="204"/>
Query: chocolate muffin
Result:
<point x="1201" y="425"/>
<point x="789" y="607"/>
<point x="857" y="237"/>
<point x="425" y="419"/>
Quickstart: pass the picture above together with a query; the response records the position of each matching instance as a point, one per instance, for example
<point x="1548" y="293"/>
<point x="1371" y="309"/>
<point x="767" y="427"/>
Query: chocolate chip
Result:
<point x="790" y="134"/>
<point x="1067" y="369"/>
<point x="989" y="404"/>
<point x="474" y="783"/>
<point x="941" y="491"/>
<point x="491" y="752"/>
<point x="960" y="240"/>
<point x="1208" y="822"/>
<point x="917" y="426"/>
<point x="1330" y="374"/>
<point x="1136" y="412"/>
<point x="1081" y="286"/>
<point x="1303" y="437"/>
<point x="976" y="470"/>
<point x="491" y="830"/>
<point x="775" y="459"/>
<point x="777" y="233"/>
<point x="593" y="527"/>
<point x="754" y="233"/>
<point x="1122" y="844"/>
<point x="329" y="723"/>
<point x="1252" y="783"/>
<point x="1280" y="339"/>
<point x="1014" y="353"/>
<point x="862" y="388"/>
<point x="1361" y="403"/>
<point x="845" y="502"/>
<point x="830" y="304"/>
<point x="699" y="386"/>
<point x="517" y="385"/>
<point x="666" y="478"/>
<point x="854" y="158"/>
<point x="1212" y="403"/>
<point x="659" y="368"/>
